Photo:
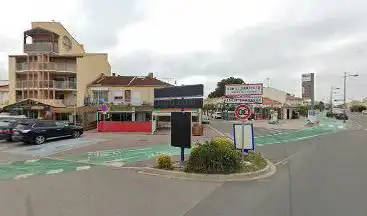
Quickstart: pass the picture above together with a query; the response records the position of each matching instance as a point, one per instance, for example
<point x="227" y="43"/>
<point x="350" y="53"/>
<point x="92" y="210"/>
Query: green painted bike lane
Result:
<point x="120" y="157"/>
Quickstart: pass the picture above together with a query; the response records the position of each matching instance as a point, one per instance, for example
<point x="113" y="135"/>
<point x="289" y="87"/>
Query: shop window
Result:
<point x="123" y="116"/>
<point x="143" y="116"/>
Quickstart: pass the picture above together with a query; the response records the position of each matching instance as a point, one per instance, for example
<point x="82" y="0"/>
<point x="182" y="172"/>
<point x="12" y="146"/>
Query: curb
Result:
<point x="268" y="171"/>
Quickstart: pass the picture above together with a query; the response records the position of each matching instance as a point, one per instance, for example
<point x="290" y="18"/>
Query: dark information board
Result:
<point x="190" y="96"/>
<point x="181" y="129"/>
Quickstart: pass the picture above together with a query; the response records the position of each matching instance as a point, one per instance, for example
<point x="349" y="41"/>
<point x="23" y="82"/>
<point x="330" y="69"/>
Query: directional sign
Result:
<point x="249" y="99"/>
<point x="242" y="112"/>
<point x="244" y="89"/>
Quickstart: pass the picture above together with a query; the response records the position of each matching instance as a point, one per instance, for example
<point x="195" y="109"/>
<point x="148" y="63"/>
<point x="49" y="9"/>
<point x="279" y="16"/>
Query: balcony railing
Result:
<point x="49" y="66"/>
<point x="41" y="47"/>
<point x="50" y="84"/>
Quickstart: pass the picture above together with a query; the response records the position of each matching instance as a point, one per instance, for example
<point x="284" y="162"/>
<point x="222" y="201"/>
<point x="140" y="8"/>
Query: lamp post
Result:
<point x="345" y="92"/>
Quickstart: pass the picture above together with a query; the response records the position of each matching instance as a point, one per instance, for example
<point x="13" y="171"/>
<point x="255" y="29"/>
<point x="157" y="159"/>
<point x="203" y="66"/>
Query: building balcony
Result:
<point x="46" y="47"/>
<point x="51" y="84"/>
<point x="49" y="66"/>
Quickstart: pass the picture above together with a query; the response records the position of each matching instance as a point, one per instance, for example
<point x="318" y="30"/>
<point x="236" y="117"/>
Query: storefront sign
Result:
<point x="190" y="96"/>
<point x="244" y="89"/>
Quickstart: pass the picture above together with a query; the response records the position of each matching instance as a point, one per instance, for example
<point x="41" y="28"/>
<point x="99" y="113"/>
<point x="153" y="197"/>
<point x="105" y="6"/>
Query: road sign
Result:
<point x="249" y="99"/>
<point x="244" y="136"/>
<point x="104" y="107"/>
<point x="244" y="89"/>
<point x="242" y="112"/>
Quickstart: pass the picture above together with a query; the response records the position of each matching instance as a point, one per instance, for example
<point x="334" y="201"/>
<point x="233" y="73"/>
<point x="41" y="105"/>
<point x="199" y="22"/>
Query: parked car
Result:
<point x="38" y="131"/>
<point x="7" y="126"/>
<point x="364" y="112"/>
<point x="205" y="119"/>
<point x="341" y="116"/>
<point x="217" y="115"/>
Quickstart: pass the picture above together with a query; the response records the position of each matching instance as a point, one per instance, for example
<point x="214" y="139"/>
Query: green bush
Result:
<point x="222" y="142"/>
<point x="214" y="158"/>
<point x="164" y="162"/>
<point x="256" y="160"/>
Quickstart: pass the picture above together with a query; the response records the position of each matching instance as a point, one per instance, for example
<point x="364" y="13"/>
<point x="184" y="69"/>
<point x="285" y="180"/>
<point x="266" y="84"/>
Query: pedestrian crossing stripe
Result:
<point x="51" y="172"/>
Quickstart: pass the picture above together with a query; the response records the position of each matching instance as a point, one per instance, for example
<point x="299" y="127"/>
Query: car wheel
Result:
<point x="9" y="139"/>
<point x="76" y="134"/>
<point x="39" y="140"/>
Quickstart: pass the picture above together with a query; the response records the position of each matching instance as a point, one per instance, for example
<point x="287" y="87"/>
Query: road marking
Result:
<point x="82" y="168"/>
<point x="215" y="130"/>
<point x="23" y="176"/>
<point x="32" y="161"/>
<point x="365" y="129"/>
<point x="115" y="164"/>
<point x="51" y="172"/>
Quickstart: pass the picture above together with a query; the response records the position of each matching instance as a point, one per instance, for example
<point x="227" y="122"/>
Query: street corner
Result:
<point x="267" y="172"/>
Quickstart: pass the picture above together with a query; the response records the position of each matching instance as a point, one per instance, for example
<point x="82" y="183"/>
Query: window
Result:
<point x="118" y="98"/>
<point x="100" y="97"/>
<point x="46" y="124"/>
<point x="127" y="95"/>
<point x="143" y="116"/>
<point x="61" y="124"/>
<point x="123" y="116"/>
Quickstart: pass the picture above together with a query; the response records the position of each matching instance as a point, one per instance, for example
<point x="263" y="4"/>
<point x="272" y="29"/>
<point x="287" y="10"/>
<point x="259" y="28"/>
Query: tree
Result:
<point x="220" y="90"/>
<point x="357" y="108"/>
<point x="302" y="110"/>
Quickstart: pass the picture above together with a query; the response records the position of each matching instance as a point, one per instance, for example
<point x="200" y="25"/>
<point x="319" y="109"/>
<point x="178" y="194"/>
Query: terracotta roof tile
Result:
<point x="129" y="81"/>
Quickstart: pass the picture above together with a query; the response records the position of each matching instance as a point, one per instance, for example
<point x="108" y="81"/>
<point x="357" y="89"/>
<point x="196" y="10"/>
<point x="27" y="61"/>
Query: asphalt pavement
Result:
<point x="323" y="175"/>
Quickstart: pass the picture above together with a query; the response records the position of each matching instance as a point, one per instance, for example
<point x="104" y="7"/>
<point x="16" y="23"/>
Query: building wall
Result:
<point x="12" y="81"/>
<point x="89" y="68"/>
<point x="146" y="93"/>
<point x="59" y="29"/>
<point x="275" y="94"/>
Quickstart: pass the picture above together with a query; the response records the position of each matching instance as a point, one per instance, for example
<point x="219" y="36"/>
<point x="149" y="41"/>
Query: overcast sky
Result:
<point x="203" y="41"/>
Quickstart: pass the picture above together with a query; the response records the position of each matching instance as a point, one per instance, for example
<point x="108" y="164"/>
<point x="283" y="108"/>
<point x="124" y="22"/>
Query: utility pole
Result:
<point x="268" y="81"/>
<point x="345" y="96"/>
<point x="345" y="92"/>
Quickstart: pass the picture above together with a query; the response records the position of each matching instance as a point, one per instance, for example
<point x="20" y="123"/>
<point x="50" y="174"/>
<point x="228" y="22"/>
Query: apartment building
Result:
<point x="54" y="70"/>
<point x="129" y="100"/>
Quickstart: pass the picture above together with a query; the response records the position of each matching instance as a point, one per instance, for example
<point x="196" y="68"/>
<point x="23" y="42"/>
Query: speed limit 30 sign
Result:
<point x="242" y="112"/>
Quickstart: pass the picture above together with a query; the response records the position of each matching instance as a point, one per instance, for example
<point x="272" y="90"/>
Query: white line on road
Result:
<point x="215" y="130"/>
<point x="54" y="171"/>
<point x="82" y="168"/>
<point x="32" y="161"/>
<point x="23" y="176"/>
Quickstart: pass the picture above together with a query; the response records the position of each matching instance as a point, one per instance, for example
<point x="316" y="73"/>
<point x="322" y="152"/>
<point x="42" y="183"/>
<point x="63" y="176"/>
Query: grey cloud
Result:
<point x="7" y="44"/>
<point x="105" y="20"/>
<point x="283" y="49"/>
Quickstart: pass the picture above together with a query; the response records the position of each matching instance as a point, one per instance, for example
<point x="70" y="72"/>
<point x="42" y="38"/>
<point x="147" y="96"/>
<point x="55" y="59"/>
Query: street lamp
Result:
<point x="345" y="92"/>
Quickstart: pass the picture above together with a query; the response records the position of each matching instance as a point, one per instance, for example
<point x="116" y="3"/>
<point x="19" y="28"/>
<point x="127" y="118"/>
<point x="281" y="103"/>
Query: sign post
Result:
<point x="180" y="97"/>
<point x="242" y="113"/>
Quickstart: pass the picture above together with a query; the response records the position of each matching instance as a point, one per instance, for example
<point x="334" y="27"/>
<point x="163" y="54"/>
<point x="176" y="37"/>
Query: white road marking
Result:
<point x="23" y="176"/>
<point x="54" y="171"/>
<point x="31" y="161"/>
<point x="82" y="168"/>
<point x="365" y="129"/>
<point x="116" y="164"/>
<point x="215" y="130"/>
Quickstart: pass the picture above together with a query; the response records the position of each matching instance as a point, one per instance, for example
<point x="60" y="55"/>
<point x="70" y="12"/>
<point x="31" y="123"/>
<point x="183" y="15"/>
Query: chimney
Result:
<point x="150" y="75"/>
<point x="113" y="74"/>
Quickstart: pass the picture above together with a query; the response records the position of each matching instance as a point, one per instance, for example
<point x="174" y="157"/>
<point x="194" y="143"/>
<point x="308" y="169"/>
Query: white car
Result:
<point x="217" y="115"/>
<point x="364" y="112"/>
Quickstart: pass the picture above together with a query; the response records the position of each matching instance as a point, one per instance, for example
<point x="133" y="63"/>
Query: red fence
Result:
<point x="117" y="126"/>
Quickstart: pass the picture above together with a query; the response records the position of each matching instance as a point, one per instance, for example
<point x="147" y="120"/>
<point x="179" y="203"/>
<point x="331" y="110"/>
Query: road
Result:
<point x="324" y="175"/>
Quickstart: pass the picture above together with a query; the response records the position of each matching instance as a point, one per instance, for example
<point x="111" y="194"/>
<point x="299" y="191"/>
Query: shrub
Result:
<point x="213" y="158"/>
<point x="222" y="142"/>
<point x="164" y="162"/>
<point x="256" y="160"/>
